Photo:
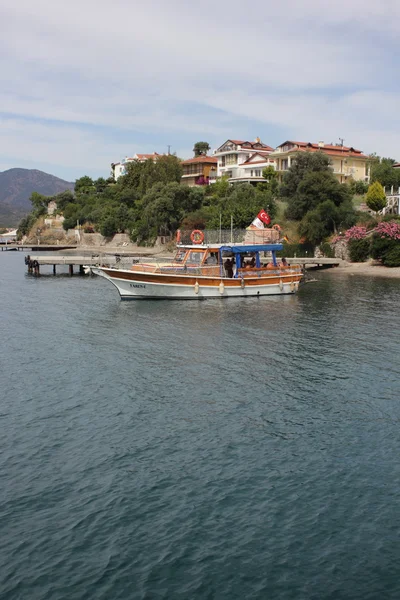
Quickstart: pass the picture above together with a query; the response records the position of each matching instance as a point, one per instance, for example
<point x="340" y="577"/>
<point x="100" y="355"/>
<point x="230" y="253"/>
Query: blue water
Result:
<point x="239" y="449"/>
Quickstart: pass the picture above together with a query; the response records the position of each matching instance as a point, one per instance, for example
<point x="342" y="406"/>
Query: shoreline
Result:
<point x="371" y="268"/>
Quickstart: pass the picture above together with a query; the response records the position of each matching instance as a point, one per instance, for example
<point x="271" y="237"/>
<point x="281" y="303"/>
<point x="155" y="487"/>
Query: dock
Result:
<point x="35" y="247"/>
<point x="315" y="263"/>
<point x="126" y="259"/>
<point x="77" y="261"/>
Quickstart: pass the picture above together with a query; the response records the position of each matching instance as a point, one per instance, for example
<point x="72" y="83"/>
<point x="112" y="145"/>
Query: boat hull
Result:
<point x="136" y="286"/>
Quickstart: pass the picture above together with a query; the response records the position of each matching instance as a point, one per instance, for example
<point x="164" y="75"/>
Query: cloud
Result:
<point x="100" y="80"/>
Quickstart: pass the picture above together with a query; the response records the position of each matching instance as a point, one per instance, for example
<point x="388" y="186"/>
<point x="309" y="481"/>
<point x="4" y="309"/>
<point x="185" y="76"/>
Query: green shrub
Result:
<point x="327" y="250"/>
<point x="392" y="256"/>
<point x="359" y="250"/>
<point x="386" y="250"/>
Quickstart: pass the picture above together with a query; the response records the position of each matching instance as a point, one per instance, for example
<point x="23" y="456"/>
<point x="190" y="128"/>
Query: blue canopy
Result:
<point x="252" y="248"/>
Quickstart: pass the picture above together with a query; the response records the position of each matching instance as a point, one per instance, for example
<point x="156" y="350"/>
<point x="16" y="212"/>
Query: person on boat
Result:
<point x="252" y="263"/>
<point x="229" y="267"/>
<point x="284" y="263"/>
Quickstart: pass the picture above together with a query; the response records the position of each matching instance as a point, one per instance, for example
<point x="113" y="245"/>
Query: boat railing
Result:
<point x="269" y="272"/>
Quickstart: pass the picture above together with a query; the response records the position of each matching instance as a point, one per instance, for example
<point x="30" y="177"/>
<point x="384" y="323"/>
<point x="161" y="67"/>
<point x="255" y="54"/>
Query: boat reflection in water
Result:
<point x="201" y="271"/>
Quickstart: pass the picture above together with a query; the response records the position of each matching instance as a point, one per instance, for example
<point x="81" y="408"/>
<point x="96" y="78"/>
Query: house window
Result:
<point x="251" y="173"/>
<point x="231" y="159"/>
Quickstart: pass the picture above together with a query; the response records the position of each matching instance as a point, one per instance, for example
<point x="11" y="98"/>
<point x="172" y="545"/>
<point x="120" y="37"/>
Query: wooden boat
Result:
<point x="201" y="271"/>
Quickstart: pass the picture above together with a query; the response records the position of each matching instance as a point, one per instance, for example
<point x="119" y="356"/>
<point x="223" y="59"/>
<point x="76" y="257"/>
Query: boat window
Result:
<point x="195" y="257"/>
<point x="180" y="255"/>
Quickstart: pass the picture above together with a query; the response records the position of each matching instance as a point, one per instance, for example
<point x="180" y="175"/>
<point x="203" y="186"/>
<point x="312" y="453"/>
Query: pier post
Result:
<point x="54" y="270"/>
<point x="81" y="270"/>
<point x="71" y="269"/>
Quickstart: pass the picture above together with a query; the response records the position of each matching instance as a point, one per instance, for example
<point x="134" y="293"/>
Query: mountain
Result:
<point x="16" y="186"/>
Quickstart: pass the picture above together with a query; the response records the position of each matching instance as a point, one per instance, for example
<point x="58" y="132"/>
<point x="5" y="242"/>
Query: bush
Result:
<point x="392" y="257"/>
<point x="359" y="250"/>
<point x="358" y="187"/>
<point x="386" y="249"/>
<point x="327" y="250"/>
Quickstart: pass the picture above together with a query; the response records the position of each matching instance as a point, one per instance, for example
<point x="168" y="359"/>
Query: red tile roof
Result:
<point x="250" y="145"/>
<point x="201" y="159"/>
<point x="330" y="149"/>
<point x="350" y="153"/>
<point x="396" y="166"/>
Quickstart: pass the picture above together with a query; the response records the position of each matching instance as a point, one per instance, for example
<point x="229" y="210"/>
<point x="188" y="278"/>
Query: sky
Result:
<point x="88" y="82"/>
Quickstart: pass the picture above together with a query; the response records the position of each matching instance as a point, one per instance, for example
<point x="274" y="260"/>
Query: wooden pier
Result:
<point x="35" y="247"/>
<point x="126" y="259"/>
<point x="315" y="263"/>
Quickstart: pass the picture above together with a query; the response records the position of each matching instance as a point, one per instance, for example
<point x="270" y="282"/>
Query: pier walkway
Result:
<point x="125" y="260"/>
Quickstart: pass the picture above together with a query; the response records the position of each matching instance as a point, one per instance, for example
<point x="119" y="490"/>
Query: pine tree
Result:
<point x="376" y="199"/>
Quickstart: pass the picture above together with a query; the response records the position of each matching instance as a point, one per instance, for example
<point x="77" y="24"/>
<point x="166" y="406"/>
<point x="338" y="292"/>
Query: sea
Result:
<point x="215" y="450"/>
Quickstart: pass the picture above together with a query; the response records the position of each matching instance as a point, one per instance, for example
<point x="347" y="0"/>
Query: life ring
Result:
<point x="277" y="227"/>
<point x="178" y="236"/>
<point x="197" y="236"/>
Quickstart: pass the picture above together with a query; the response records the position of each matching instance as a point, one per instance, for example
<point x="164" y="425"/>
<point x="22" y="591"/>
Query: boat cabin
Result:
<point x="236" y="260"/>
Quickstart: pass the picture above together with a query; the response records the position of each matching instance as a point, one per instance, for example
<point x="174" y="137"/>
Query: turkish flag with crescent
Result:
<point x="264" y="217"/>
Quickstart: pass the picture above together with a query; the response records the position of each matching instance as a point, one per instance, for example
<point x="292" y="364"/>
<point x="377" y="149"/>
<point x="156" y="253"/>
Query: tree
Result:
<point x="84" y="185"/>
<point x="382" y="170"/>
<point x="39" y="203"/>
<point x="271" y="176"/>
<point x="303" y="163"/>
<point x="325" y="219"/>
<point x="141" y="176"/>
<point x="201" y="148"/>
<point x="243" y="204"/>
<point x="376" y="199"/>
<point x="63" y="199"/>
<point x="314" y="188"/>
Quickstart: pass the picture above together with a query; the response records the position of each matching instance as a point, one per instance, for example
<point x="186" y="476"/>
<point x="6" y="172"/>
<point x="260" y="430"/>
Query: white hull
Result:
<point x="131" y="289"/>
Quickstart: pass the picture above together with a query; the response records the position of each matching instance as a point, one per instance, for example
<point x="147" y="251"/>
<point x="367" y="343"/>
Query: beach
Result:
<point x="370" y="268"/>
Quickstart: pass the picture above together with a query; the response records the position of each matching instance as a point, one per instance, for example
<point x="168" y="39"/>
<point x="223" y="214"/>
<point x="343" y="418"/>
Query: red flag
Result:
<point x="264" y="217"/>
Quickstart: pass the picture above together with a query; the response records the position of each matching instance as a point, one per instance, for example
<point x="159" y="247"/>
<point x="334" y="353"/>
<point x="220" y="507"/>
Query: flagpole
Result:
<point x="231" y="229"/>
<point x="220" y="228"/>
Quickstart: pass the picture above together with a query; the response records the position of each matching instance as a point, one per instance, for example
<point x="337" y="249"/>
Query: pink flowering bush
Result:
<point x="386" y="243"/>
<point x="356" y="233"/>
<point x="391" y="230"/>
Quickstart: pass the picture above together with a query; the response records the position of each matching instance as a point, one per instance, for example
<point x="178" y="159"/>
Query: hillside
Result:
<point x="16" y="186"/>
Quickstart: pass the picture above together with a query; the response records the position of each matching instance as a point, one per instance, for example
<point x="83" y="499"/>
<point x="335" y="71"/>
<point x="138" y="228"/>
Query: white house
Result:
<point x="119" y="168"/>
<point x="243" y="162"/>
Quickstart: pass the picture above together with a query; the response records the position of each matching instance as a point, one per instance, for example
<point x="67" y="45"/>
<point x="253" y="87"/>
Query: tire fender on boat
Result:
<point x="292" y="286"/>
<point x="242" y="284"/>
<point x="281" y="285"/>
<point x="221" y="288"/>
<point x="196" y="287"/>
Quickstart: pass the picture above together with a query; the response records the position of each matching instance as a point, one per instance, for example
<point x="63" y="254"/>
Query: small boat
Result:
<point x="201" y="271"/>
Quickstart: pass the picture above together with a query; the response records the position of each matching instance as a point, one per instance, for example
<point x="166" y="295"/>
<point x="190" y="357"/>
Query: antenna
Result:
<point x="341" y="140"/>
<point x="169" y="149"/>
